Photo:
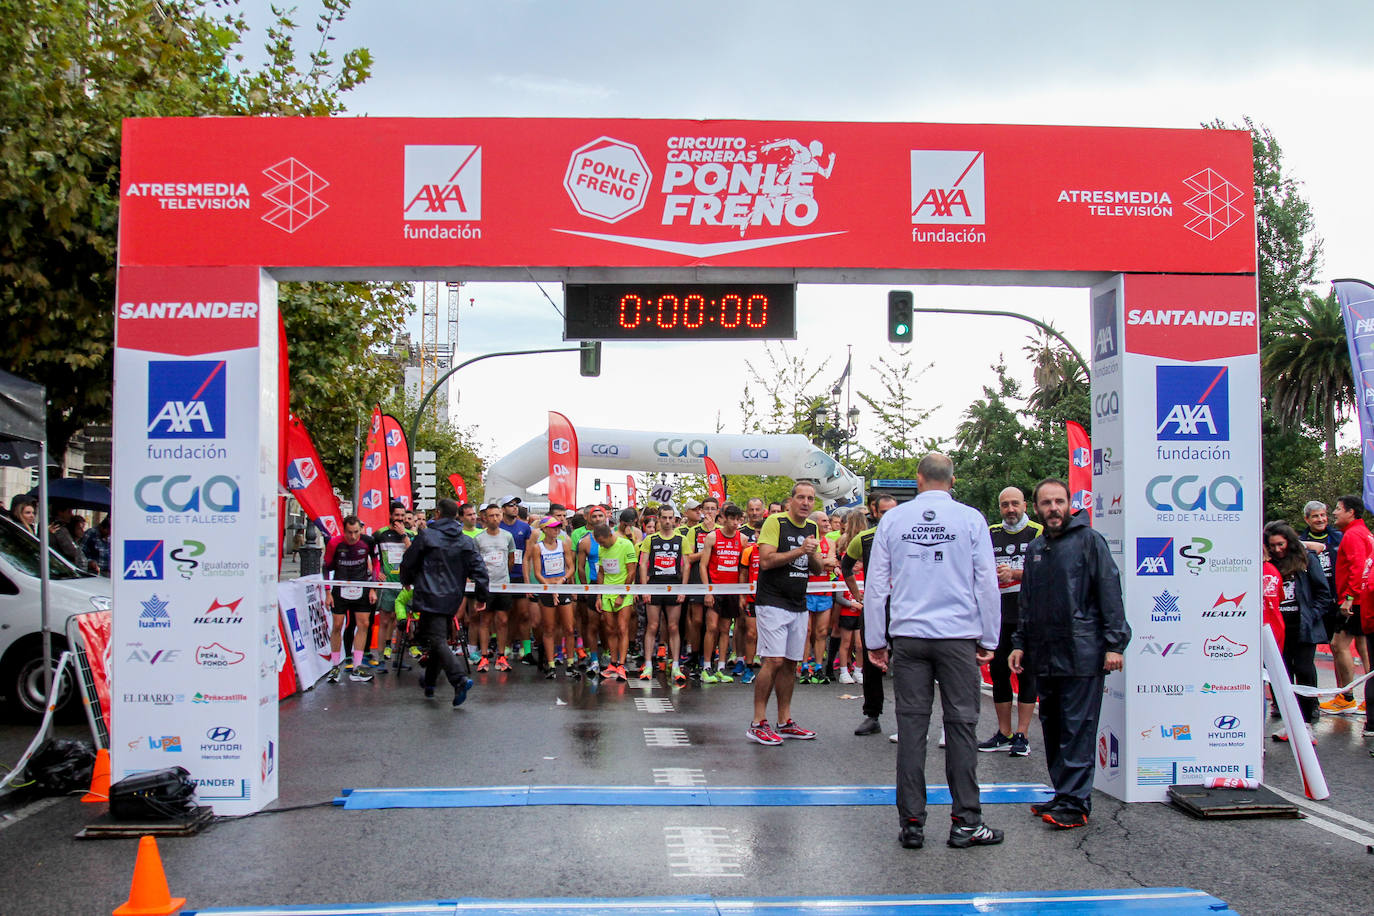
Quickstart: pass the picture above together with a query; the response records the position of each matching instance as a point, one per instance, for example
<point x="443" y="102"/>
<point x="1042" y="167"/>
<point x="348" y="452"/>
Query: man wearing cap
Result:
<point x="523" y="611"/>
<point x="693" y="546"/>
<point x="497" y="548"/>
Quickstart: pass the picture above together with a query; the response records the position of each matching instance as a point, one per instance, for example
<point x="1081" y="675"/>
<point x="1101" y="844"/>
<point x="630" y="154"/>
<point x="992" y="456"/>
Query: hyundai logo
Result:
<point x="1226" y="723"/>
<point x="221" y="734"/>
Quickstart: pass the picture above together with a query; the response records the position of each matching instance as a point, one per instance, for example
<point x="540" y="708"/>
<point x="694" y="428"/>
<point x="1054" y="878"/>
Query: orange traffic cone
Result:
<point x="100" y="778"/>
<point x="148" y="895"/>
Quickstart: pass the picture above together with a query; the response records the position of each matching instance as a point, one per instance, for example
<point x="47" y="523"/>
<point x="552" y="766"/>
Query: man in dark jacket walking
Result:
<point x="1072" y="631"/>
<point x="437" y="565"/>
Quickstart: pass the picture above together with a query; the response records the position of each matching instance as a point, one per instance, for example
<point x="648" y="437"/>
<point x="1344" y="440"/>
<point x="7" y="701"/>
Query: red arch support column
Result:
<point x="1177" y="481"/>
<point x="195" y="630"/>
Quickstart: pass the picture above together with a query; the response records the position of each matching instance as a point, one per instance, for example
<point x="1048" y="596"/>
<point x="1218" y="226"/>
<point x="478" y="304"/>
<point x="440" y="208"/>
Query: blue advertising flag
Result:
<point x="1357" y="309"/>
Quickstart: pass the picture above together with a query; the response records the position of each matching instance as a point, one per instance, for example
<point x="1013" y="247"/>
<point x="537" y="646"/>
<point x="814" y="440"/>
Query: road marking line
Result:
<point x="9" y="820"/>
<point x="1317" y="816"/>
<point x="654" y="705"/>
<point x="666" y="737"/>
<point x="697" y="852"/>
<point x="679" y="776"/>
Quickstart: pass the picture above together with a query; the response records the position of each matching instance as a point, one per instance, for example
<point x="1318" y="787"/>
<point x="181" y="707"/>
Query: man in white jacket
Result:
<point x="933" y="558"/>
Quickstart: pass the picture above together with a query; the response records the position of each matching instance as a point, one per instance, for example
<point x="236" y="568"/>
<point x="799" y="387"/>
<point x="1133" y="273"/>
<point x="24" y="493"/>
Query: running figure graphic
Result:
<point x="794" y="178"/>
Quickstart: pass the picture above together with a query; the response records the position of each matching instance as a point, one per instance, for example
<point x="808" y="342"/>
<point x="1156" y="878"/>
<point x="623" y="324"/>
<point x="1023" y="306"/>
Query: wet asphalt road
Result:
<point x="515" y="730"/>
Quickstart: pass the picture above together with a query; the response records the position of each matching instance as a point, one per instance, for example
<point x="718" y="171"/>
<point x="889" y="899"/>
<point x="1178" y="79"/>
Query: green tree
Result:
<point x="70" y="72"/>
<point x="896" y="418"/>
<point x="1060" y="382"/>
<point x="455" y="447"/>
<point x="1306" y="365"/>
<point x="994" y="447"/>
<point x="782" y="396"/>
<point x="1319" y="477"/>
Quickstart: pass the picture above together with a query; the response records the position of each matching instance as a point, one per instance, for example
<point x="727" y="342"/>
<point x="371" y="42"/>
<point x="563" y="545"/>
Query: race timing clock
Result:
<point x="680" y="311"/>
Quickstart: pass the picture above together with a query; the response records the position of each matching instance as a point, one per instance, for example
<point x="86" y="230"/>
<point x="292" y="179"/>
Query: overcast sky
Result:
<point x="1300" y="69"/>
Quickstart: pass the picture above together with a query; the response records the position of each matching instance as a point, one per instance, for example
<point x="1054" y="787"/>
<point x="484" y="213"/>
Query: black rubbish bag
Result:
<point x="60" y="766"/>
<point x="156" y="794"/>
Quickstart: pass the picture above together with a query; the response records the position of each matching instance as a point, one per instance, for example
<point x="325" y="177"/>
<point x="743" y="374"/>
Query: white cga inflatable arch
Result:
<point x="790" y="455"/>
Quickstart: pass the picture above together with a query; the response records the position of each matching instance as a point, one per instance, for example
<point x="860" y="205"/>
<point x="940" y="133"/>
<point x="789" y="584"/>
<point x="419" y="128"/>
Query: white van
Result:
<point x="70" y="591"/>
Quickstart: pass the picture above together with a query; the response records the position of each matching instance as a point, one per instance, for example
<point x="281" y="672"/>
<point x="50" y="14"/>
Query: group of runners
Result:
<point x="677" y="633"/>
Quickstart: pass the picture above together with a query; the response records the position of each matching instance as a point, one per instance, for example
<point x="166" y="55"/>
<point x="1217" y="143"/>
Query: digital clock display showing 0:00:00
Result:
<point x="680" y="311"/>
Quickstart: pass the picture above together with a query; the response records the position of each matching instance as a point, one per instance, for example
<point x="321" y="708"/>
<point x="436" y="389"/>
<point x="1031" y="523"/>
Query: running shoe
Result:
<point x="820" y="676"/>
<point x="912" y="836"/>
<point x="593" y="669"/>
<point x="1064" y="818"/>
<point x="333" y="676"/>
<point x="748" y="677"/>
<point x="460" y="691"/>
<point x="348" y="665"/>
<point x="892" y="737"/>
<point x="484" y="665"/>
<point x="869" y="726"/>
<point x="723" y="677"/>
<point x="646" y="674"/>
<point x="502" y="664"/>
<point x="790" y="729"/>
<point x="763" y="734"/>
<point x="429" y="691"/>
<point x="1020" y="745"/>
<point x="998" y="742"/>
<point x="709" y="677"/>
<point x="1281" y="734"/>
<point x="962" y="836"/>
<point x="845" y="676"/>
<point x="1368" y="730"/>
<point x="1312" y="736"/>
<point x="371" y="662"/>
<point x="1338" y="704"/>
<point x="679" y="678"/>
<point x="1360" y="709"/>
<point x="858" y="675"/>
<point x="1040" y="808"/>
<point x="358" y="674"/>
<point x="740" y="667"/>
<point x="550" y="673"/>
<point x="414" y="651"/>
<point x="386" y="653"/>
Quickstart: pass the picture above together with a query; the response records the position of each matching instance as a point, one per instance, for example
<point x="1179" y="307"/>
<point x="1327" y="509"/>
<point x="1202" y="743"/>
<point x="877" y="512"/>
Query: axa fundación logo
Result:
<point x="295" y="194"/>
<point x="1216" y="204"/>
<point x="442" y="184"/>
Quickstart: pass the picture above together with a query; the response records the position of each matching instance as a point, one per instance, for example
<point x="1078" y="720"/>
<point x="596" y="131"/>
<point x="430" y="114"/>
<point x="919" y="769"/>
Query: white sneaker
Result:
<point x="1281" y="734"/>
<point x="892" y="737"/>
<point x="845" y="676"/>
<point x="942" y="737"/>
<point x="1312" y="736"/>
<point x="858" y="675"/>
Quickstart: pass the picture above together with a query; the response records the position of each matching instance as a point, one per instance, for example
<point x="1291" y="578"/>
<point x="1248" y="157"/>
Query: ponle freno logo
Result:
<point x="443" y="183"/>
<point x="607" y="179"/>
<point x="300" y="473"/>
<point x="947" y="188"/>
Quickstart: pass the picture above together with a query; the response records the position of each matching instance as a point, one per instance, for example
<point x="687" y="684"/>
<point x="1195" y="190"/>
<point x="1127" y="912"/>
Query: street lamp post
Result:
<point x="1001" y="314"/>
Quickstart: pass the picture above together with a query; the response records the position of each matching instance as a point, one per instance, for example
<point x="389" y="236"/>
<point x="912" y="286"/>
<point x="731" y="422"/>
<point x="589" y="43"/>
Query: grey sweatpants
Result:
<point x="916" y="665"/>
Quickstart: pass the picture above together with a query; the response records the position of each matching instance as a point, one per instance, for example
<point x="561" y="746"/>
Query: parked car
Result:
<point x="70" y="591"/>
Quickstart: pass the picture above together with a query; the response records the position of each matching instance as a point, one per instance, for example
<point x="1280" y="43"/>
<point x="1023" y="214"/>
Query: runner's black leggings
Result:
<point x="1001" y="673"/>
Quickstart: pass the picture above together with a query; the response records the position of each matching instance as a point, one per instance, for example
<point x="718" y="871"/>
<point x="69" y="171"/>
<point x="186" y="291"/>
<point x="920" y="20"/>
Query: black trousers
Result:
<point x="873" y="683"/>
<point x="432" y="634"/>
<point x="1001" y="672"/>
<point x="1300" y="661"/>
<point x="1070" y="708"/>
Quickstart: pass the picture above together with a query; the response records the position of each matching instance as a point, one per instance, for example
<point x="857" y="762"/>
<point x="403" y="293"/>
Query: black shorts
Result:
<point x="851" y="623"/>
<point x="499" y="601"/>
<point x="344" y="605"/>
<point x="749" y="609"/>
<point x="1336" y="622"/>
<point x="727" y="606"/>
<point x="664" y="600"/>
<point x="548" y="599"/>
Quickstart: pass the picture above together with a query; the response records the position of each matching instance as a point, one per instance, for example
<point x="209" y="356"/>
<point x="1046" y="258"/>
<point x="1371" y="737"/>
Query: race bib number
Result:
<point x="495" y="560"/>
<point x="394" y="550"/>
<point x="554" y="564"/>
<point x="611" y="566"/>
<point x="351" y="592"/>
<point x="665" y="562"/>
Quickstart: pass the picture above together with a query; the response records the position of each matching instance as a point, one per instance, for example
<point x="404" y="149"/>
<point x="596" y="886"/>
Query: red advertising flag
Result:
<point x="630" y="492"/>
<point x="373" y="488"/>
<point x="610" y="501"/>
<point x="562" y="460"/>
<point x="715" y="484"/>
<point x="1080" y="469"/>
<point x="460" y="487"/>
<point x="399" y="474"/>
<point x="304" y="476"/>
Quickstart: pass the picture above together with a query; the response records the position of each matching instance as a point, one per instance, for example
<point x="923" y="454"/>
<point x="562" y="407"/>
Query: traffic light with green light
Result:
<point x="899" y="315"/>
<point x="591" y="358"/>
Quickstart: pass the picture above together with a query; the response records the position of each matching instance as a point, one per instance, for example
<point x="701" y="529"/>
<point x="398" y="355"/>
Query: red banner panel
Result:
<point x="387" y="192"/>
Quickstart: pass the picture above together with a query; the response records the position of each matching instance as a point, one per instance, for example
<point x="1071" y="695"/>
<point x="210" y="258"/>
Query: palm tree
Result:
<point x="1306" y="365"/>
<point x="1057" y="373"/>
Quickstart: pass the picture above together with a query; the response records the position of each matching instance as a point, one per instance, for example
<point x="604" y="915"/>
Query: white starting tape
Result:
<point x="571" y="588"/>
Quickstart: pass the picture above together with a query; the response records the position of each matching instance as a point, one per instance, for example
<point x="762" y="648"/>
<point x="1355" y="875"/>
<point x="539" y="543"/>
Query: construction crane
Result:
<point x="435" y="355"/>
